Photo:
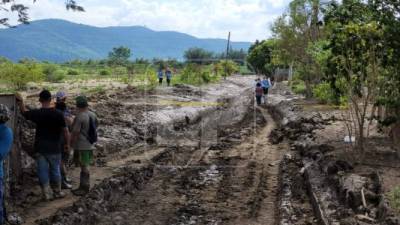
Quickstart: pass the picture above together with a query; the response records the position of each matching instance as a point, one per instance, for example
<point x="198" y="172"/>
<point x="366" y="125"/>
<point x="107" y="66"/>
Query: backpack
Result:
<point x="92" y="134"/>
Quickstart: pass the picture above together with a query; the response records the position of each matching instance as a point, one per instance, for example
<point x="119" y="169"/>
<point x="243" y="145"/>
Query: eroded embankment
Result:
<point x="312" y="173"/>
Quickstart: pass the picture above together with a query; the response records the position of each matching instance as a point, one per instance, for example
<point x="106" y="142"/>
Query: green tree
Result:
<point x="119" y="56"/>
<point x="295" y="31"/>
<point x="198" y="56"/>
<point x="260" y="56"/>
<point x="238" y="56"/>
<point x="386" y="12"/>
<point x="356" y="58"/>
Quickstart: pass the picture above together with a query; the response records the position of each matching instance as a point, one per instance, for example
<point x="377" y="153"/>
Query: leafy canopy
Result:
<point x="119" y="55"/>
<point x="16" y="7"/>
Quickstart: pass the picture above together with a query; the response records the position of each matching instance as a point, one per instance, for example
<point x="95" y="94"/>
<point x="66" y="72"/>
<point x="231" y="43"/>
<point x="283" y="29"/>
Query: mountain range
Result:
<point x="59" y="40"/>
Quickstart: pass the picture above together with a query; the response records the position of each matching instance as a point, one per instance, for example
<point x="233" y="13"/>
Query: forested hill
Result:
<point x="60" y="40"/>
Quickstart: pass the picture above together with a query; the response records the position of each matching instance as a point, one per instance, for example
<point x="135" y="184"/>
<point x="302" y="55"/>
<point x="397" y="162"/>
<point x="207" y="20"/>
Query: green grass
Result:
<point x="394" y="199"/>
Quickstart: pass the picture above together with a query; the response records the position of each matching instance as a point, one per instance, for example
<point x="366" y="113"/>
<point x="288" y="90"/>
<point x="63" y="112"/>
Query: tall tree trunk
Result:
<point x="314" y="20"/>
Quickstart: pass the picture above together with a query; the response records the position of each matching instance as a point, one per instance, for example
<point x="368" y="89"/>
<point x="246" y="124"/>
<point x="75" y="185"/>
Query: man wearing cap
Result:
<point x="80" y="141"/>
<point x="50" y="126"/>
<point x="61" y="104"/>
<point x="6" y="140"/>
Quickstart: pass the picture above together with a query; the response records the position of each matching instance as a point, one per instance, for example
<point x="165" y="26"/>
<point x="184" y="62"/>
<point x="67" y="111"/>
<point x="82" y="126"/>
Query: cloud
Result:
<point x="248" y="20"/>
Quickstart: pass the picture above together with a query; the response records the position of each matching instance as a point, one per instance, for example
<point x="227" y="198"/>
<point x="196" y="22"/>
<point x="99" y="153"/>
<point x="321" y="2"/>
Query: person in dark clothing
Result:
<point x="6" y="141"/>
<point x="160" y="75"/>
<point x="61" y="104"/>
<point x="168" y="74"/>
<point x="50" y="126"/>
<point x="259" y="93"/>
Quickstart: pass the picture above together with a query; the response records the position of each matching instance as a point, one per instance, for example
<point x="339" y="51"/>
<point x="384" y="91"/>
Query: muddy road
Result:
<point x="179" y="155"/>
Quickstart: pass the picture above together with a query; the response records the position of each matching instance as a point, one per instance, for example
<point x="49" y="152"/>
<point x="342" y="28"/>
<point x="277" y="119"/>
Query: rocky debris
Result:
<point x="187" y="90"/>
<point x="294" y="124"/>
<point x="102" y="199"/>
<point x="285" y="204"/>
<point x="338" y="194"/>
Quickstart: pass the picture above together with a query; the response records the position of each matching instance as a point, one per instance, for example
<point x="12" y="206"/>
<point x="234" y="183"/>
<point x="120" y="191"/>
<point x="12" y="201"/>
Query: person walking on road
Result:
<point x="50" y="126"/>
<point x="160" y="75"/>
<point x="265" y="84"/>
<point x="83" y="138"/>
<point x="61" y="98"/>
<point x="168" y="74"/>
<point x="6" y="141"/>
<point x="259" y="93"/>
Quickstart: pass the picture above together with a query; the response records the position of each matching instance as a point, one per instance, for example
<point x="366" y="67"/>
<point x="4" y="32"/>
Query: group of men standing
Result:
<point x="57" y="133"/>
<point x="168" y="75"/>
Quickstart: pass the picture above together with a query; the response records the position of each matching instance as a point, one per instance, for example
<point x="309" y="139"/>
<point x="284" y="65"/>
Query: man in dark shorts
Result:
<point x="83" y="148"/>
<point x="50" y="126"/>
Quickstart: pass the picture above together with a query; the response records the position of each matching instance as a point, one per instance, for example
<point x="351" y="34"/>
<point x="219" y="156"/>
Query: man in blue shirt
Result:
<point x="6" y="140"/>
<point x="265" y="84"/>
<point x="160" y="75"/>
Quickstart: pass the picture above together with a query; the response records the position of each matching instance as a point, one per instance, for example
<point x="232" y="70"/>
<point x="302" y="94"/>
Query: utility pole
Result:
<point x="226" y="56"/>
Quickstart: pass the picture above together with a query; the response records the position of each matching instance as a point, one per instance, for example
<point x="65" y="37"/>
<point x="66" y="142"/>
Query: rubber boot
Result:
<point x="84" y="185"/>
<point x="65" y="184"/>
<point x="57" y="192"/>
<point x="46" y="193"/>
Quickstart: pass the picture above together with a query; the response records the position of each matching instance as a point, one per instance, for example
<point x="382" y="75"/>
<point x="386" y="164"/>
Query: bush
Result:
<point x="19" y="75"/>
<point x="105" y="72"/>
<point x="72" y="72"/>
<point x="147" y="80"/>
<point x="206" y="77"/>
<point x="56" y="77"/>
<point x="49" y="69"/>
<point x="197" y="75"/>
<point x="324" y="93"/>
<point x="227" y="68"/>
<point x="52" y="73"/>
<point x="298" y="87"/>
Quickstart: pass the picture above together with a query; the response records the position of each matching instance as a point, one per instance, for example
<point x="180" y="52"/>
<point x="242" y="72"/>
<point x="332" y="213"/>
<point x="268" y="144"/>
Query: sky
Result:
<point x="248" y="20"/>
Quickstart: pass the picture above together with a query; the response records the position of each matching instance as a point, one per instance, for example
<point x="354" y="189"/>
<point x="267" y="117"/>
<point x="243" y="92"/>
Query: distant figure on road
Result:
<point x="168" y="74"/>
<point x="265" y="84"/>
<point x="259" y="93"/>
<point x="160" y="76"/>
<point x="6" y="140"/>
<point x="257" y="81"/>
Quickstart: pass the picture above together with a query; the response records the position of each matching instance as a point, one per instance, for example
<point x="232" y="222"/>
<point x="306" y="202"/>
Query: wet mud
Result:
<point x="206" y="159"/>
<point x="314" y="172"/>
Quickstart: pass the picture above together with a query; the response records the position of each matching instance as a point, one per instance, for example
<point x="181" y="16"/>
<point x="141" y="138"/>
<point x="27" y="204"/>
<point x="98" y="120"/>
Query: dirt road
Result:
<point x="212" y="164"/>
